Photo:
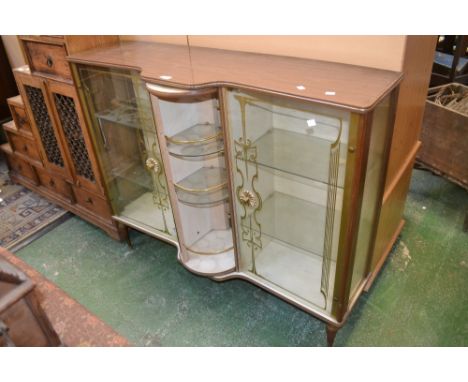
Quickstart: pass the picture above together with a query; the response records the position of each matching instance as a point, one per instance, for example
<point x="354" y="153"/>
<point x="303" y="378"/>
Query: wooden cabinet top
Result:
<point x="346" y="86"/>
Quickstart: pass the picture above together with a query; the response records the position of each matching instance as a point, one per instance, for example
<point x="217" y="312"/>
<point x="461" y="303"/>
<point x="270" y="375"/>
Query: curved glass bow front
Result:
<point x="194" y="144"/>
<point x="126" y="143"/>
<point x="288" y="165"/>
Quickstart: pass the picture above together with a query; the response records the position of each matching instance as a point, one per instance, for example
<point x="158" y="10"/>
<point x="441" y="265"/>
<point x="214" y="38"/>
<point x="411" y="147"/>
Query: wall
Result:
<point x="12" y="47"/>
<point x="384" y="52"/>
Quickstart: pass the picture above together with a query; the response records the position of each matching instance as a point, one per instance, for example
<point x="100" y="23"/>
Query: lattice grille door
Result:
<point x="44" y="125"/>
<point x="71" y="126"/>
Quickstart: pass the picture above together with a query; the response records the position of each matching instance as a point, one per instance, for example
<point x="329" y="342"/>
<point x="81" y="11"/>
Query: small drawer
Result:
<point x="47" y="58"/>
<point x="21" y="167"/>
<point x="24" y="146"/>
<point x="92" y="202"/>
<point x="55" y="184"/>
<point x="21" y="119"/>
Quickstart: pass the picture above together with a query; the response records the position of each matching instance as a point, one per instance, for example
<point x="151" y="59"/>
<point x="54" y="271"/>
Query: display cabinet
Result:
<point x="275" y="177"/>
<point x="127" y="147"/>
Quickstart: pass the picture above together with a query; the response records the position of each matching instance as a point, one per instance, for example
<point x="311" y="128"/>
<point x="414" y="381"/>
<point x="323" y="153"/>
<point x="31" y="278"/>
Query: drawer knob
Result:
<point x="49" y="61"/>
<point x="25" y="148"/>
<point x="89" y="200"/>
<point x="51" y="183"/>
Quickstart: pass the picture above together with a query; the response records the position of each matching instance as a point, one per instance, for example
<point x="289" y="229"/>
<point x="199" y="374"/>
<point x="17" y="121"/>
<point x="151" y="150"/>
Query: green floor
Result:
<point x="419" y="299"/>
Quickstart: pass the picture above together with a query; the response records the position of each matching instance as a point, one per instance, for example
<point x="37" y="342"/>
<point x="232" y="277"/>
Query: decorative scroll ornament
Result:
<point x="153" y="164"/>
<point x="248" y="198"/>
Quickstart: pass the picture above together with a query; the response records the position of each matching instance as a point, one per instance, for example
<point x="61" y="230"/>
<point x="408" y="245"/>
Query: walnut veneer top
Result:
<point x="349" y="86"/>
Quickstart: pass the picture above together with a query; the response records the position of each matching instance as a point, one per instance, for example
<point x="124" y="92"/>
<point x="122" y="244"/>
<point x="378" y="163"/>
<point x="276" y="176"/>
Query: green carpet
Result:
<point x="419" y="299"/>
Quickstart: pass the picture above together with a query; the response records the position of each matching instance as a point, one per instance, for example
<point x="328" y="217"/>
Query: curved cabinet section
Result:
<point x="126" y="143"/>
<point x="192" y="145"/>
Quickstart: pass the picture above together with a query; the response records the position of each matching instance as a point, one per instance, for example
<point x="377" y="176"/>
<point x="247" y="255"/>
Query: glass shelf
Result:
<point x="196" y="150"/>
<point x="204" y="180"/>
<point x="305" y="227"/>
<point x="212" y="253"/>
<point x="297" y="154"/>
<point x="215" y="242"/>
<point x="207" y="199"/>
<point x="134" y="173"/>
<point x="125" y="114"/>
<point x="196" y="134"/>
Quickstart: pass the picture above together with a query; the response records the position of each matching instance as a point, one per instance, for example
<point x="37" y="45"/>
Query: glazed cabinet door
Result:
<point x="36" y="100"/>
<point x="68" y="116"/>
<point x="288" y="162"/>
<point x="192" y="141"/>
<point x="123" y="135"/>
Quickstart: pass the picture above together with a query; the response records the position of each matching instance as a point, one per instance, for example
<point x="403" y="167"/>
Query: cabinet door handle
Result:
<point x="51" y="183"/>
<point x="89" y="200"/>
<point x="25" y="148"/>
<point x="49" y="62"/>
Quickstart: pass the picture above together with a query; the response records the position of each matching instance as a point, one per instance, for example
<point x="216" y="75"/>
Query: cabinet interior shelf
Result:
<point x="199" y="140"/>
<point x="196" y="134"/>
<point x="199" y="150"/>
<point x="297" y="154"/>
<point x="293" y="222"/>
<point x="143" y="212"/>
<point x="126" y="114"/>
<point x="206" y="187"/>
<point x="134" y="173"/>
<point x="204" y="180"/>
<point x="213" y="252"/>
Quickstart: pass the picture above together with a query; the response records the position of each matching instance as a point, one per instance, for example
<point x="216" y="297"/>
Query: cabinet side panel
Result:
<point x="417" y="67"/>
<point x="382" y="124"/>
<point x="410" y="108"/>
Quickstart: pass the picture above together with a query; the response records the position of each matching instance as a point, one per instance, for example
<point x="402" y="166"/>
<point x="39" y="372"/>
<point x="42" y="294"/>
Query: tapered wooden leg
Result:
<point x="331" y="334"/>
<point x="126" y="230"/>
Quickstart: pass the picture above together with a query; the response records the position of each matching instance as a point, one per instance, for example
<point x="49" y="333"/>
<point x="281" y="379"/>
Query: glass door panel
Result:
<point x="288" y="161"/>
<point x="127" y="146"/>
<point x="195" y="150"/>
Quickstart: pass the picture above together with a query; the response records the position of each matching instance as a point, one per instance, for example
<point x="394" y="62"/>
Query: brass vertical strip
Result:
<point x="247" y="196"/>
<point x="358" y="144"/>
<point x="333" y="170"/>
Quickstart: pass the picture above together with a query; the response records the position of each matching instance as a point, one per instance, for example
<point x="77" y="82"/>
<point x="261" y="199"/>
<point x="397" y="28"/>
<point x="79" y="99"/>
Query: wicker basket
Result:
<point x="444" y="133"/>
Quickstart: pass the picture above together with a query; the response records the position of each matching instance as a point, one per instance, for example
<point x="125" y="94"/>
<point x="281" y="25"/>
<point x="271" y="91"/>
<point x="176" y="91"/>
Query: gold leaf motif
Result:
<point x="153" y="164"/>
<point x="248" y="198"/>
